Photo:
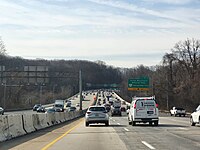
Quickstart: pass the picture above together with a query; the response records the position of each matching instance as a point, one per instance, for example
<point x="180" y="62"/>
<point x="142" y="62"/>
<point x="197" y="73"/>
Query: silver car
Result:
<point x="96" y="114"/>
<point x="1" y="111"/>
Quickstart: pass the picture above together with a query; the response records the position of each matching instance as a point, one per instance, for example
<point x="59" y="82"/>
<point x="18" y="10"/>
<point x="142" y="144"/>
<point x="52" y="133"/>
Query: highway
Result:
<point x="172" y="133"/>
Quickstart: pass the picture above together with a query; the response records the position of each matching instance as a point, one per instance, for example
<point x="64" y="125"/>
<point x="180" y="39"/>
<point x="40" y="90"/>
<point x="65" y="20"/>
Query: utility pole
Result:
<point x="80" y="88"/>
<point x="4" y="96"/>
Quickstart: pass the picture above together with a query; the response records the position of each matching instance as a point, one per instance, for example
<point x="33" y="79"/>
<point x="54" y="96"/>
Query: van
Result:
<point x="143" y="109"/>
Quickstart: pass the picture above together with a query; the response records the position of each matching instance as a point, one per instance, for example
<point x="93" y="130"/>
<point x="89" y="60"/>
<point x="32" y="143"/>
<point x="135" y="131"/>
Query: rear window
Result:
<point x="58" y="105"/>
<point x="145" y="104"/>
<point x="97" y="109"/>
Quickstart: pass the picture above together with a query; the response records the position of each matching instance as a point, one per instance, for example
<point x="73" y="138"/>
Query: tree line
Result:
<point x="175" y="82"/>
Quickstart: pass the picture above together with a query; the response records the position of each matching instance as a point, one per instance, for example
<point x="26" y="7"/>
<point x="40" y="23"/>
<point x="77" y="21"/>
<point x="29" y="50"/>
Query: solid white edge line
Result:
<point x="126" y="129"/>
<point x="148" y="145"/>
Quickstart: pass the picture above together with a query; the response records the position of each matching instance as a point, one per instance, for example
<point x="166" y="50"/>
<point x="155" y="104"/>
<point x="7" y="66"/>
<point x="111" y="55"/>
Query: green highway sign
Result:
<point x="139" y="84"/>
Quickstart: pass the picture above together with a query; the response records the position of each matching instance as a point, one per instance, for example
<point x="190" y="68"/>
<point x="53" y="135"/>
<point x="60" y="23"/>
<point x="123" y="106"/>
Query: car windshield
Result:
<point x="97" y="109"/>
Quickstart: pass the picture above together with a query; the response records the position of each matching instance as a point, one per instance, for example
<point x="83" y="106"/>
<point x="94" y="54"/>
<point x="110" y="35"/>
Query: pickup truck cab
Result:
<point x="195" y="117"/>
<point x="143" y="109"/>
<point x="177" y="111"/>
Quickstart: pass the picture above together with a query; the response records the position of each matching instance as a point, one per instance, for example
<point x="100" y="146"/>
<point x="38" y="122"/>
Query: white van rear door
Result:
<point x="150" y="106"/>
<point x="146" y="108"/>
<point x="140" y="109"/>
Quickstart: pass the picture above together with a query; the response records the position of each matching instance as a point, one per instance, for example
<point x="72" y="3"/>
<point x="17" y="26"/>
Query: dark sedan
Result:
<point x="1" y="111"/>
<point x="41" y="109"/>
<point x="36" y="106"/>
<point x="72" y="109"/>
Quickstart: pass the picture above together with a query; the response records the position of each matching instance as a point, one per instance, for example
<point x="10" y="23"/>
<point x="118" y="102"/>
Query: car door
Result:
<point x="140" y="111"/>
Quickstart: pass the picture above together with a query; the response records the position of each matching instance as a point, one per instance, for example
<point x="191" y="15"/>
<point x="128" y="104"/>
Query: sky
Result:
<point x="122" y="33"/>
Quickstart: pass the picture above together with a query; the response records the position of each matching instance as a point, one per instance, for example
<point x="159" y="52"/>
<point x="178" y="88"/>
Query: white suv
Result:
<point x="195" y="117"/>
<point x="143" y="109"/>
<point x="96" y="114"/>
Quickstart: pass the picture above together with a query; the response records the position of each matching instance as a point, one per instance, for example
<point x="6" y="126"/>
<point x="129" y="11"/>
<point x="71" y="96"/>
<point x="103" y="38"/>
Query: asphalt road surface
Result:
<point x="173" y="133"/>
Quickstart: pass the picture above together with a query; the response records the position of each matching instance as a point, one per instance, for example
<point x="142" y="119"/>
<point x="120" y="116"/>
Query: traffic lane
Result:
<point x="85" y="103"/>
<point x="96" y="136"/>
<point x="168" y="135"/>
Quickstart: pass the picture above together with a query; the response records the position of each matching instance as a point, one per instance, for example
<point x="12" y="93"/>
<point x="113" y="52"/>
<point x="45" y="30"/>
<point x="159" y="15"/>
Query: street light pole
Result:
<point x="4" y="96"/>
<point x="80" y="88"/>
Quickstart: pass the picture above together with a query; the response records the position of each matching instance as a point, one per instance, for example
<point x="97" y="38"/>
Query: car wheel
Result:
<point x="171" y="114"/>
<point x="192" y="122"/>
<point x="132" y="122"/>
<point x="129" y="122"/>
<point x="155" y="123"/>
<point x="86" y="124"/>
<point x="107" y="123"/>
<point x="150" y="123"/>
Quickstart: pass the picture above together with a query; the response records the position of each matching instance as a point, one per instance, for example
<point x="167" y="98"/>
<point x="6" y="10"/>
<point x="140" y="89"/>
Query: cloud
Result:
<point x="173" y="2"/>
<point x="97" y="28"/>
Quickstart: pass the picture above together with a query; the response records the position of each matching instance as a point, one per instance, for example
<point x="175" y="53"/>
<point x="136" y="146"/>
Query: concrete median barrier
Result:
<point x="15" y="125"/>
<point x="39" y="121"/>
<point x="4" y="128"/>
<point x="51" y="119"/>
<point x="67" y="116"/>
<point x="28" y="123"/>
<point x="60" y="117"/>
<point x="20" y="124"/>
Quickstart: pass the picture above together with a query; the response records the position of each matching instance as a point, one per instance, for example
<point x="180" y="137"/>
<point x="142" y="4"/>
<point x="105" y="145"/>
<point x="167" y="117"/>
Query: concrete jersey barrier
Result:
<point x="12" y="126"/>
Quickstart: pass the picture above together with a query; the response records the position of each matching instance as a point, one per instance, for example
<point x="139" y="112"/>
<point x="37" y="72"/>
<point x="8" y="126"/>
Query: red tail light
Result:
<point x="134" y="106"/>
<point x="156" y="105"/>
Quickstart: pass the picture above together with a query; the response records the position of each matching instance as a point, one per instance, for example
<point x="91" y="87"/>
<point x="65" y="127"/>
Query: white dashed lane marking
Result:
<point x="148" y="145"/>
<point x="126" y="129"/>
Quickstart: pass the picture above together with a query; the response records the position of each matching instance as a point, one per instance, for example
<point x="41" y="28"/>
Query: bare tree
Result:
<point x="2" y="47"/>
<point x="187" y="53"/>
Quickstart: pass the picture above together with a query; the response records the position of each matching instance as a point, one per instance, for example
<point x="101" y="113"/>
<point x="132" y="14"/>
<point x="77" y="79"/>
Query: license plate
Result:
<point x="149" y="112"/>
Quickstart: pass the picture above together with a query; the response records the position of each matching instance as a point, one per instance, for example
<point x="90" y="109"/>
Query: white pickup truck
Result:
<point x="177" y="111"/>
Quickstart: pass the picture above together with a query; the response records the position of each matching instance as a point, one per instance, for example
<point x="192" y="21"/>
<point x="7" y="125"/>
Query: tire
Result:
<point x="107" y="123"/>
<point x="129" y="122"/>
<point x="171" y="114"/>
<point x="192" y="122"/>
<point x="155" y="123"/>
<point x="150" y="123"/>
<point x="86" y="124"/>
<point x="132" y="122"/>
